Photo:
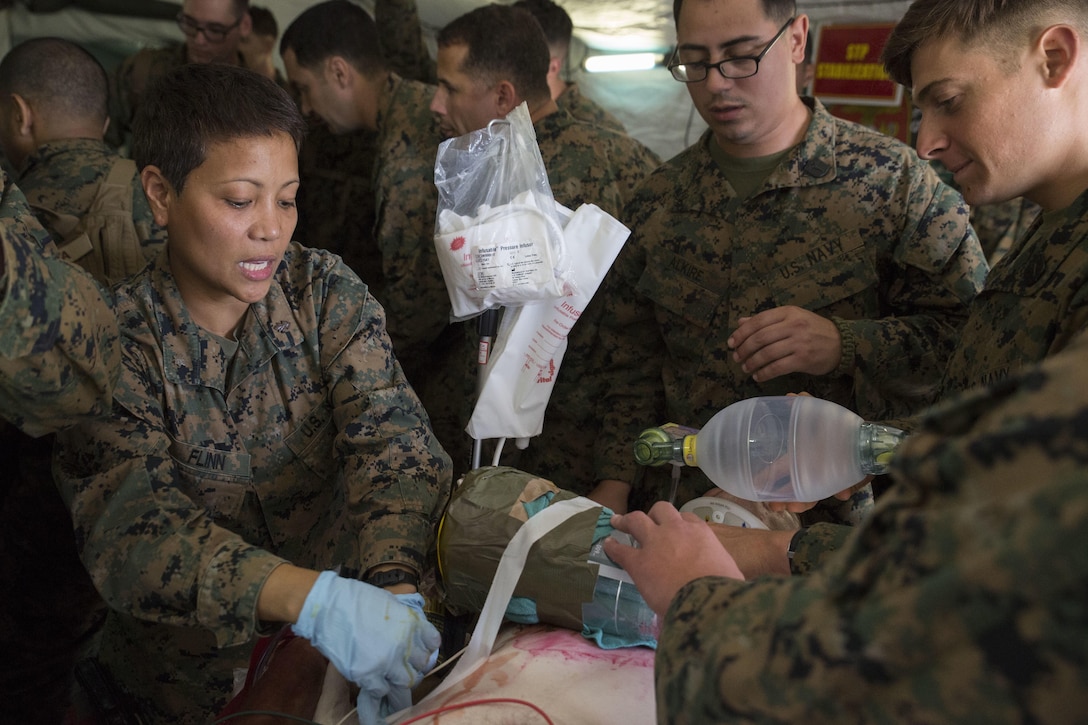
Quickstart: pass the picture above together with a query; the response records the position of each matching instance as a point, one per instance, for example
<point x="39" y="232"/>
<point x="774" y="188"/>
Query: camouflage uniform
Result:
<point x="401" y="34"/>
<point x="302" y="442"/>
<point x="1000" y="225"/>
<point x="65" y="175"/>
<point x="370" y="196"/>
<point x="959" y="600"/>
<point x="585" y="109"/>
<point x="336" y="197"/>
<point x="59" y="355"/>
<point x="56" y="604"/>
<point x="851" y="225"/>
<point x="410" y="287"/>
<point x="59" y="359"/>
<point x="1034" y="303"/>
<point x="586" y="164"/>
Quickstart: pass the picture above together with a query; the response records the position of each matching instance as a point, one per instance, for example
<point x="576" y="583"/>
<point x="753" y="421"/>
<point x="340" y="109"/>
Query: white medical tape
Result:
<point x="502" y="588"/>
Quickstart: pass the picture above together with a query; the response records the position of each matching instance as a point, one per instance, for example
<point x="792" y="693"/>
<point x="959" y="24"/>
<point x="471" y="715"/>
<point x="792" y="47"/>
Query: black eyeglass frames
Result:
<point x="744" y="66"/>
<point x="214" y="32"/>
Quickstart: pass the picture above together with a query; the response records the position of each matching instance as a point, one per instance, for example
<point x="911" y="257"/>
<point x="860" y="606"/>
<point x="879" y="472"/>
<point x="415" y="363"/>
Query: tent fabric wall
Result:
<point x="109" y="36"/>
<point x="654" y="108"/>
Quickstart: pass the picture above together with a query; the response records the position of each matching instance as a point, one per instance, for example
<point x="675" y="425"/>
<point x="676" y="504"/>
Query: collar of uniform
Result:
<point x="1074" y="214"/>
<point x="571" y="93"/>
<point x="192" y="356"/>
<point x="554" y="123"/>
<point x="50" y="151"/>
<point x="271" y="325"/>
<point x="811" y="162"/>
<point x="1032" y="263"/>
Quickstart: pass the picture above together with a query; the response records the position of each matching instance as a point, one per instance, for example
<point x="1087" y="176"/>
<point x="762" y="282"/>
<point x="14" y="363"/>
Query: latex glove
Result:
<point x="381" y="642"/>
<point x="399" y="698"/>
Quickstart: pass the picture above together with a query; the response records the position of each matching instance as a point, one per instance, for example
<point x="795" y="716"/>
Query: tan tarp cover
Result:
<point x="485" y="513"/>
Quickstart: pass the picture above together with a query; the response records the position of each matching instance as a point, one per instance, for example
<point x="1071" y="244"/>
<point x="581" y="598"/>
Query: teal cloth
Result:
<point x="522" y="610"/>
<point x="607" y="640"/>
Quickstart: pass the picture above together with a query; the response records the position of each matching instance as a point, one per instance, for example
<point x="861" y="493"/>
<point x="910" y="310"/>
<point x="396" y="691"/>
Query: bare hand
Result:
<point x="757" y="552"/>
<point x="674" y="549"/>
<point x="786" y="340"/>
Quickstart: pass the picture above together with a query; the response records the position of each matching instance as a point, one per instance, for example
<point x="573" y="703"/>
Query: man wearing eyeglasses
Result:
<point x="785" y="251"/>
<point x="213" y="30"/>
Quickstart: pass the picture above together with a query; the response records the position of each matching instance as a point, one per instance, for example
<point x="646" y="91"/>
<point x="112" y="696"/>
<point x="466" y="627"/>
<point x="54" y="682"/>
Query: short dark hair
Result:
<point x="58" y="76"/>
<point x="780" y="10"/>
<point x="198" y="104"/>
<point x="504" y="43"/>
<point x="1003" y="24"/>
<point x="264" y="22"/>
<point x="554" y="21"/>
<point x="335" y="28"/>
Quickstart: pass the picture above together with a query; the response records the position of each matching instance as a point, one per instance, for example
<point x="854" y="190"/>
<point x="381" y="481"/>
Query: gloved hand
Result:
<point x="380" y="641"/>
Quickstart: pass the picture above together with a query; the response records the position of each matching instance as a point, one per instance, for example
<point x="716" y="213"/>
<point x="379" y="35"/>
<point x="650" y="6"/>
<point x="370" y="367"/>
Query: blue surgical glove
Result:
<point x="380" y="641"/>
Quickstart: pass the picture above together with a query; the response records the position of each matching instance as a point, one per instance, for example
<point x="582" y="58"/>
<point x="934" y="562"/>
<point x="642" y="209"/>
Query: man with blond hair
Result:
<point x="1003" y="91"/>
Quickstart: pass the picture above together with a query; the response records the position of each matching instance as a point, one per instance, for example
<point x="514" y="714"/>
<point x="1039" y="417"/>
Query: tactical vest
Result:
<point x="104" y="241"/>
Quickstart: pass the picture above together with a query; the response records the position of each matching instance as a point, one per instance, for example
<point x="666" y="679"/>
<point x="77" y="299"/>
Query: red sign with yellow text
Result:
<point x="848" y="67"/>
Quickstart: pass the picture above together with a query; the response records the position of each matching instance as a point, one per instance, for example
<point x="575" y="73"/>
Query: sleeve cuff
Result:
<point x="227" y="598"/>
<point x="848" y="347"/>
<point x="815" y="544"/>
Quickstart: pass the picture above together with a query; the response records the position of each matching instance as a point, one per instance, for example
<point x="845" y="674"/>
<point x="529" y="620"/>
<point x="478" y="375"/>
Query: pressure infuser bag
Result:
<point x="497" y="233"/>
